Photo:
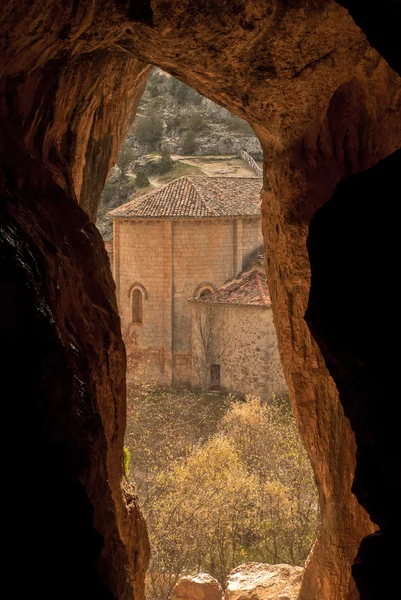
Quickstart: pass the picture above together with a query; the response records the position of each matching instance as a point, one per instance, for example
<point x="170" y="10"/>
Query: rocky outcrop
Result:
<point x="325" y="106"/>
<point x="200" y="587"/>
<point x="216" y="131"/>
<point x="300" y="184"/>
<point x="258" y="581"/>
<point x="64" y="373"/>
<point x="352" y="343"/>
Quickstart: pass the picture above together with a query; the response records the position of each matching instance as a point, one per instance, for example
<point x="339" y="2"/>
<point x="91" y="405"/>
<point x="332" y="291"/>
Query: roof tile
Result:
<point x="249" y="288"/>
<point x="197" y="197"/>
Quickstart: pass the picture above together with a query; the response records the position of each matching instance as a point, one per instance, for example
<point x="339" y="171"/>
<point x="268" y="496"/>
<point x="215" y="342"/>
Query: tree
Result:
<point x="125" y="158"/>
<point x="189" y="145"/>
<point x="173" y="86"/>
<point x="166" y="162"/>
<point x="181" y="92"/>
<point x="175" y="122"/>
<point x="195" y="98"/>
<point x="196" y="122"/>
<point x="218" y="488"/>
<point x="205" y="510"/>
<point x="209" y="341"/>
<point x="238" y="125"/>
<point x="164" y="426"/>
<point x="232" y="500"/>
<point x="155" y="84"/>
<point x="267" y="440"/>
<point x="141" y="179"/>
<point x="149" y="130"/>
<point x="154" y="90"/>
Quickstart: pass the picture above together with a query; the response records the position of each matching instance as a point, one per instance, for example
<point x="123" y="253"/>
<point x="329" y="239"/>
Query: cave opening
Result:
<point x="198" y="384"/>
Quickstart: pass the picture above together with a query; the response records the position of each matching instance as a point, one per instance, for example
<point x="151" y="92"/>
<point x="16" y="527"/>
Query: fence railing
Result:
<point x="250" y="161"/>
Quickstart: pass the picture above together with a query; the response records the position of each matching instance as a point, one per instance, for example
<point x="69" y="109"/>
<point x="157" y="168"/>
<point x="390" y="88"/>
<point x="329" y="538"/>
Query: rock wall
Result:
<point x="63" y="374"/>
<point x="346" y="142"/>
<point x="353" y="247"/>
<point x="324" y="104"/>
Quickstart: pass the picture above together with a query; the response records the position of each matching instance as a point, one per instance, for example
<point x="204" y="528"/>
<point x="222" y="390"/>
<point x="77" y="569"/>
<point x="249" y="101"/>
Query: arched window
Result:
<point x="136" y="300"/>
<point x="136" y="295"/>
<point x="204" y="289"/>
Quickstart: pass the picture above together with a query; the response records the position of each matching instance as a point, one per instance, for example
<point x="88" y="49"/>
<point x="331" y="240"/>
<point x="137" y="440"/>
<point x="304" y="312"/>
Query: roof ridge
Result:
<point x="207" y="206"/>
<point x="196" y="197"/>
<point x="219" y="197"/>
<point x="236" y="279"/>
<point x="140" y="199"/>
<point x="260" y="286"/>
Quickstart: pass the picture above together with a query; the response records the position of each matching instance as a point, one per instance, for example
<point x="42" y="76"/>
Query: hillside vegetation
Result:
<point x="175" y="117"/>
<point x="174" y="128"/>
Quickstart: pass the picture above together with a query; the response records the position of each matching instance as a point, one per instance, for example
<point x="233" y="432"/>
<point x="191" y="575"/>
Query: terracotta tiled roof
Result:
<point x="197" y="197"/>
<point x="249" y="288"/>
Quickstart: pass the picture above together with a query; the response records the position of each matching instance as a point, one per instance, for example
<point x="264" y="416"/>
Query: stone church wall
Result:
<point x="203" y="252"/>
<point x="142" y="255"/>
<point x="248" y="354"/>
<point x="168" y="260"/>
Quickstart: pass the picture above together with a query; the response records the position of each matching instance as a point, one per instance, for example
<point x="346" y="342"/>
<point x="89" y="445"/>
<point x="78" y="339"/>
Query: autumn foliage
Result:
<point x="234" y="486"/>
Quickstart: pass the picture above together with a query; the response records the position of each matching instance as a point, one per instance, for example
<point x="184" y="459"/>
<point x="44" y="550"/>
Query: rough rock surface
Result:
<point x="361" y="362"/>
<point x="200" y="587"/>
<point x="258" y="581"/>
<point x="219" y="132"/>
<point x="325" y="106"/>
<point x="64" y="371"/>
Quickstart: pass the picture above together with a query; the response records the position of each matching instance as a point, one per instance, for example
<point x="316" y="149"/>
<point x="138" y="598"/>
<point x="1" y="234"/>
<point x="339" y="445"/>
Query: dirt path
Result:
<point x="228" y="166"/>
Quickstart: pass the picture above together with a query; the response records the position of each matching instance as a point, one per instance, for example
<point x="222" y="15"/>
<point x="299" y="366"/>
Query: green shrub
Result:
<point x="108" y="193"/>
<point x="155" y="84"/>
<point x="154" y="91"/>
<point x="125" y="158"/>
<point x="238" y="125"/>
<point x="149" y="130"/>
<point x="189" y="145"/>
<point x="141" y="179"/>
<point x="127" y="459"/>
<point x="181" y="93"/>
<point x="195" y="98"/>
<point x="173" y="123"/>
<point x="173" y="86"/>
<point x="196" y="122"/>
<point x="166" y="162"/>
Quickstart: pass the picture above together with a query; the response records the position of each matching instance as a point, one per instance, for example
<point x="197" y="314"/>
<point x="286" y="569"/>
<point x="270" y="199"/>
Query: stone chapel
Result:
<point x="171" y="248"/>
